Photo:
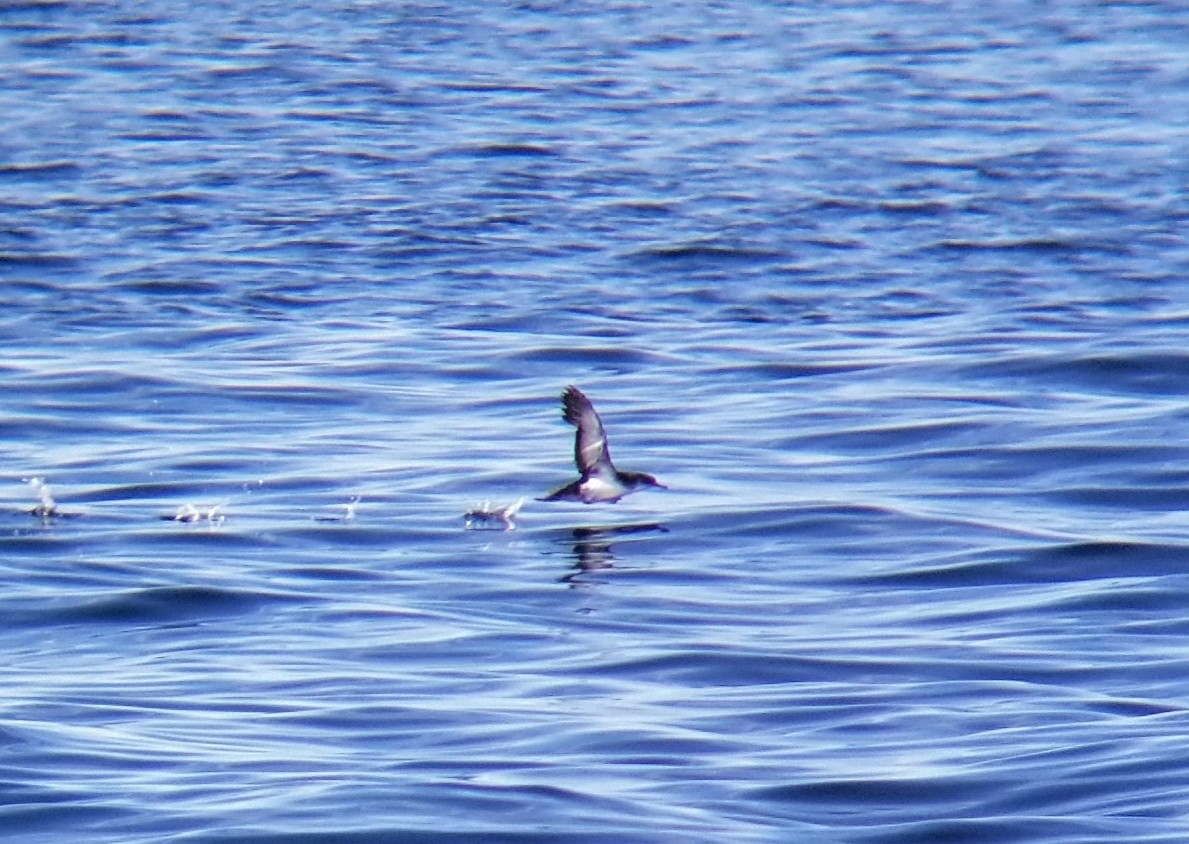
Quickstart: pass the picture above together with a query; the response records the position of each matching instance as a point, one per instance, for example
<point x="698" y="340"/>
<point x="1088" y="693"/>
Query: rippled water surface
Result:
<point x="890" y="295"/>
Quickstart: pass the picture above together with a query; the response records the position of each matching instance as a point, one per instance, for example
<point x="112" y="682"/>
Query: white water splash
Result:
<point x="190" y="514"/>
<point x="47" y="507"/>
<point x="486" y="517"/>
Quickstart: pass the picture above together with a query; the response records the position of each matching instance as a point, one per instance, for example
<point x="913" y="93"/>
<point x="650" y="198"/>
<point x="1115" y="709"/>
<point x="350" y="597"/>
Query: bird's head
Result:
<point x="640" y="480"/>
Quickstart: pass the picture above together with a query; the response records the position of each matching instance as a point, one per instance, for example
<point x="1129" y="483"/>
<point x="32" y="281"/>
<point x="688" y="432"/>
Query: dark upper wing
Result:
<point x="590" y="443"/>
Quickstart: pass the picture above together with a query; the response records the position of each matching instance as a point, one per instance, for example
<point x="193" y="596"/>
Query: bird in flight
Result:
<point x="600" y="481"/>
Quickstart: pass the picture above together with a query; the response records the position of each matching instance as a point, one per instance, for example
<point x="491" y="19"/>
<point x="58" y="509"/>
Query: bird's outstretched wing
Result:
<point x="590" y="443"/>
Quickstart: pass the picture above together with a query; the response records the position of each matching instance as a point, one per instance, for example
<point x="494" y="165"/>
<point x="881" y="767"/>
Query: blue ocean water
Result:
<point x="891" y="295"/>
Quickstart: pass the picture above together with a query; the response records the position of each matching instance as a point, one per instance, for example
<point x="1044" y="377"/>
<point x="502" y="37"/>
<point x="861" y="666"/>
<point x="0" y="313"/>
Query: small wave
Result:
<point x="521" y="150"/>
<point x="1059" y="563"/>
<point x="1043" y="245"/>
<point x="164" y="604"/>
<point x="1145" y="373"/>
<point x="42" y="170"/>
<point x="772" y="371"/>
<point x="38" y="260"/>
<point x="710" y="252"/>
<point x="588" y="356"/>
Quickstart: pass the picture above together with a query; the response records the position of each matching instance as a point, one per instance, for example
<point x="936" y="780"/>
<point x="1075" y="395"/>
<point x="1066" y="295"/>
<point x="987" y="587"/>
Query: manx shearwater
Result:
<point x="600" y="481"/>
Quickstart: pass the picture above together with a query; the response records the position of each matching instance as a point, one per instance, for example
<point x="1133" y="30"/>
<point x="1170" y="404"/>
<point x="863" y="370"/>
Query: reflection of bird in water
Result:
<point x="600" y="480"/>
<point x="592" y="545"/>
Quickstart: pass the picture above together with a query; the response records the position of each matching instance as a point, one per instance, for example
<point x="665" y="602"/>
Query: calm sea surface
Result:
<point x="892" y="295"/>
